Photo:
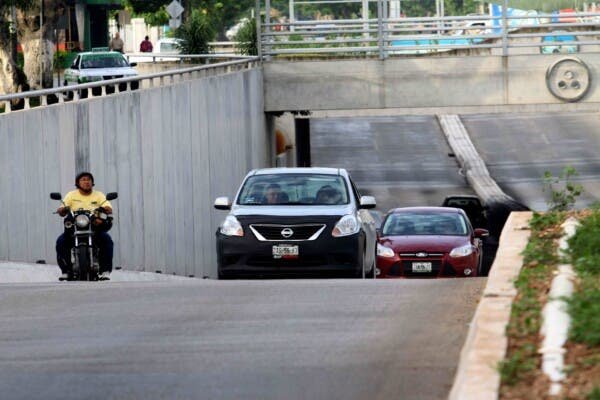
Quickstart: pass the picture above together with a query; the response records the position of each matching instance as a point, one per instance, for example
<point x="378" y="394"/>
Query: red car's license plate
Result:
<point x="421" y="267"/>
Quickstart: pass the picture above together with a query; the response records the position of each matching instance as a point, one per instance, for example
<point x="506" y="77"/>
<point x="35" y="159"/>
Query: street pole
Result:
<point x="41" y="44"/>
<point x="365" y="17"/>
<point x="292" y="16"/>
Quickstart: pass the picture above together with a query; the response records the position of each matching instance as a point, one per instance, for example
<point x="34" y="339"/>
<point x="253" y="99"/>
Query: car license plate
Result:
<point x="285" y="251"/>
<point x="421" y="267"/>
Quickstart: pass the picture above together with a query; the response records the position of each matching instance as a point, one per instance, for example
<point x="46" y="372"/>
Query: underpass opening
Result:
<point x="401" y="160"/>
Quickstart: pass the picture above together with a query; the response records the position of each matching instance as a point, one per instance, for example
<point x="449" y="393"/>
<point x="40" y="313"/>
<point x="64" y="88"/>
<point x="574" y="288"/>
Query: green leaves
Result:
<point x="246" y="39"/>
<point x="562" y="197"/>
<point x="195" y="34"/>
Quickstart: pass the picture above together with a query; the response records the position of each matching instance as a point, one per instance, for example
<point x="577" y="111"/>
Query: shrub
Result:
<point x="246" y="39"/>
<point x="562" y="198"/>
<point x="195" y="34"/>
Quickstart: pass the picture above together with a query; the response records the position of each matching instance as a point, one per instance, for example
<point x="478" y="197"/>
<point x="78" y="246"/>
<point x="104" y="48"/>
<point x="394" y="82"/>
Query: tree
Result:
<point x="38" y="40"/>
<point x="246" y="39"/>
<point x="195" y="34"/>
<point x="12" y="79"/>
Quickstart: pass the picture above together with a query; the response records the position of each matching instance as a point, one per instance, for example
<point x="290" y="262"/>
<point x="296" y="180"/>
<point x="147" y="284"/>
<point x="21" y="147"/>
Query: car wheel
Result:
<point x="371" y="273"/>
<point x="69" y="93"/>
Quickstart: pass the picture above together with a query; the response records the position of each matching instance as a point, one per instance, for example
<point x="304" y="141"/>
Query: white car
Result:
<point x="100" y="65"/>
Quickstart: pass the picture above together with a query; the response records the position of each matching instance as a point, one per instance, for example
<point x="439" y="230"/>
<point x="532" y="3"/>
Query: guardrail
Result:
<point x="106" y="87"/>
<point x="384" y="37"/>
<point x="181" y="58"/>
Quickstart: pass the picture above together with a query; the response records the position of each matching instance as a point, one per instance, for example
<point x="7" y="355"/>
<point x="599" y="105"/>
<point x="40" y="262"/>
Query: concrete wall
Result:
<point x="168" y="151"/>
<point x="415" y="82"/>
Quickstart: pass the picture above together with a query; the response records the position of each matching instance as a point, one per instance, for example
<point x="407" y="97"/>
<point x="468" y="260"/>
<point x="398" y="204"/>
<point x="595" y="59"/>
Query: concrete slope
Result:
<point x="401" y="160"/>
<point x="519" y="148"/>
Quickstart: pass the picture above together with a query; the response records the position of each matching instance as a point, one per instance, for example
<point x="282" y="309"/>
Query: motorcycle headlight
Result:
<point x="383" y="251"/>
<point x="462" y="251"/>
<point x="82" y="221"/>
<point x="232" y="227"/>
<point x="347" y="225"/>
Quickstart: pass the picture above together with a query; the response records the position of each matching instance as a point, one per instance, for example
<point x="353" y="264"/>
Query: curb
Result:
<point x="477" y="377"/>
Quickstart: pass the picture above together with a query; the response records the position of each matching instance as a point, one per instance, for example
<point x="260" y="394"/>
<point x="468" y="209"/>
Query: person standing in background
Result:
<point x="116" y="43"/>
<point x="146" y="45"/>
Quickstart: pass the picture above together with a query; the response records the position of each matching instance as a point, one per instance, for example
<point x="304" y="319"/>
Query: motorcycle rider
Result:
<point x="84" y="197"/>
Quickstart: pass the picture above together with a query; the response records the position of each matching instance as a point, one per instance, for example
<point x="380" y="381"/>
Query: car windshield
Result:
<point x="169" y="47"/>
<point x="400" y="224"/>
<point x="103" y="61"/>
<point x="294" y="189"/>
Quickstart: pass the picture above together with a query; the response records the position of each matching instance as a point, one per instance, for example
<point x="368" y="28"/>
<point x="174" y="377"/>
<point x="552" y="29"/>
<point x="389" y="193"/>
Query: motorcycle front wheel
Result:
<point x="83" y="259"/>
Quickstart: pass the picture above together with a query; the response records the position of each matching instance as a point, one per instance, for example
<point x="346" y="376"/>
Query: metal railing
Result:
<point x="27" y="100"/>
<point x="384" y="37"/>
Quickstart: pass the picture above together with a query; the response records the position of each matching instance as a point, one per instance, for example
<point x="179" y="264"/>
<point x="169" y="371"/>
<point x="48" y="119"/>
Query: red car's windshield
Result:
<point x="425" y="224"/>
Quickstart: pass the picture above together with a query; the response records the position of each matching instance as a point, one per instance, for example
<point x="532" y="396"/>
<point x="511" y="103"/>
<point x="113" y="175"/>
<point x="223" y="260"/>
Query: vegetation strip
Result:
<point x="521" y="372"/>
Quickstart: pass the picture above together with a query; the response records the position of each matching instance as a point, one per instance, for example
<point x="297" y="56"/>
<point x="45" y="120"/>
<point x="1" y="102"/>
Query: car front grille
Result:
<point x="106" y="77"/>
<point x="287" y="232"/>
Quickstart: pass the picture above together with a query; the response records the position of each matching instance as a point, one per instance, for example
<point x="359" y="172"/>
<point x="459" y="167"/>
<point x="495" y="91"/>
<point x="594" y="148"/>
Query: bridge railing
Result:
<point x="532" y="32"/>
<point x="34" y="98"/>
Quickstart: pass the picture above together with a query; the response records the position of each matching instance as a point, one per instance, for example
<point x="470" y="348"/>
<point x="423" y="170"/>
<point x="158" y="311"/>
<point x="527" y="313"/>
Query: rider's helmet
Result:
<point x="81" y="175"/>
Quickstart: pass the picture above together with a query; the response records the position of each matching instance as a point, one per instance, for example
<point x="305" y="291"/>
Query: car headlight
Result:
<point x="232" y="227"/>
<point x="383" y="251"/>
<point x="462" y="251"/>
<point x="347" y="225"/>
<point x="82" y="221"/>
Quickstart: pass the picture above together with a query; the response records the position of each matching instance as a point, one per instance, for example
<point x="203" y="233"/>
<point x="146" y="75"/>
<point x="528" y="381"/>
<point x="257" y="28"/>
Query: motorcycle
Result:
<point x="80" y="226"/>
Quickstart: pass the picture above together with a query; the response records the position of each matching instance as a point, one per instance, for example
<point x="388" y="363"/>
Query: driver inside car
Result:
<point x="328" y="195"/>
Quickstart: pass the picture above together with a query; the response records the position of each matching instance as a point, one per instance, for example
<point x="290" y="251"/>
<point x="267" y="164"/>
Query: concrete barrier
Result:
<point x="477" y="376"/>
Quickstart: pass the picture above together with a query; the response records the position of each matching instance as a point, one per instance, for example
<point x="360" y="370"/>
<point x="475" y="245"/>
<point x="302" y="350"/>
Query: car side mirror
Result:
<point x="111" y="196"/>
<point x="55" y="196"/>
<point x="367" y="202"/>
<point x="133" y="64"/>
<point x="222" y="203"/>
<point x="481" y="233"/>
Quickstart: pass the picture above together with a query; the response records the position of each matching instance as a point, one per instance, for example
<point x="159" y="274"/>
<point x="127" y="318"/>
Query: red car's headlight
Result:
<point x="462" y="251"/>
<point x="383" y="251"/>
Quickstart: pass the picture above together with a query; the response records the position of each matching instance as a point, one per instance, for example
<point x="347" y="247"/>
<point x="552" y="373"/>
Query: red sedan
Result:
<point x="429" y="242"/>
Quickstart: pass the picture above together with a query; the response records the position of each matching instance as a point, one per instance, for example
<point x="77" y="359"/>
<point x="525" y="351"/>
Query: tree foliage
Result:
<point x="246" y="39"/>
<point x="195" y="34"/>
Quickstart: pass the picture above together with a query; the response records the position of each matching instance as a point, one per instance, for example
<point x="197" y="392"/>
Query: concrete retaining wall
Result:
<point x="424" y="82"/>
<point x="168" y="151"/>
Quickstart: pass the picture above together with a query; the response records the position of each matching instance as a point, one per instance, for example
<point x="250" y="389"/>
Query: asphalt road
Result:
<point x="401" y="160"/>
<point x="519" y="148"/>
<point x="290" y="339"/>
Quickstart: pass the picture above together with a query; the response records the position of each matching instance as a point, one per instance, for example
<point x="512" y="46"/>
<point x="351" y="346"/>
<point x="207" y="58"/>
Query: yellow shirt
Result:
<point x="75" y="200"/>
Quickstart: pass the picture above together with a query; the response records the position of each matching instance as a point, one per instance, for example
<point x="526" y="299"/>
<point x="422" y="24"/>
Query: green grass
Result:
<point x="539" y="260"/>
<point x="594" y="394"/>
<point x="584" y="306"/>
<point x="518" y="364"/>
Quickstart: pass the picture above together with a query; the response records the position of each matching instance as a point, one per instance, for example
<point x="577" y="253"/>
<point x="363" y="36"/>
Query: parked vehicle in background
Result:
<point x="429" y="242"/>
<point x="471" y="205"/>
<point x="296" y="220"/>
<point x="554" y="44"/>
<point x="100" y="65"/>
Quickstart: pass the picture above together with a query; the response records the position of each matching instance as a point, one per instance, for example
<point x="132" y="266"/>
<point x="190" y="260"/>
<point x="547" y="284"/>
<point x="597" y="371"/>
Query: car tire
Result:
<point x="371" y="274"/>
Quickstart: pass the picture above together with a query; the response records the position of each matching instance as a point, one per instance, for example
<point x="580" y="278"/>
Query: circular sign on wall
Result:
<point x="568" y="79"/>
